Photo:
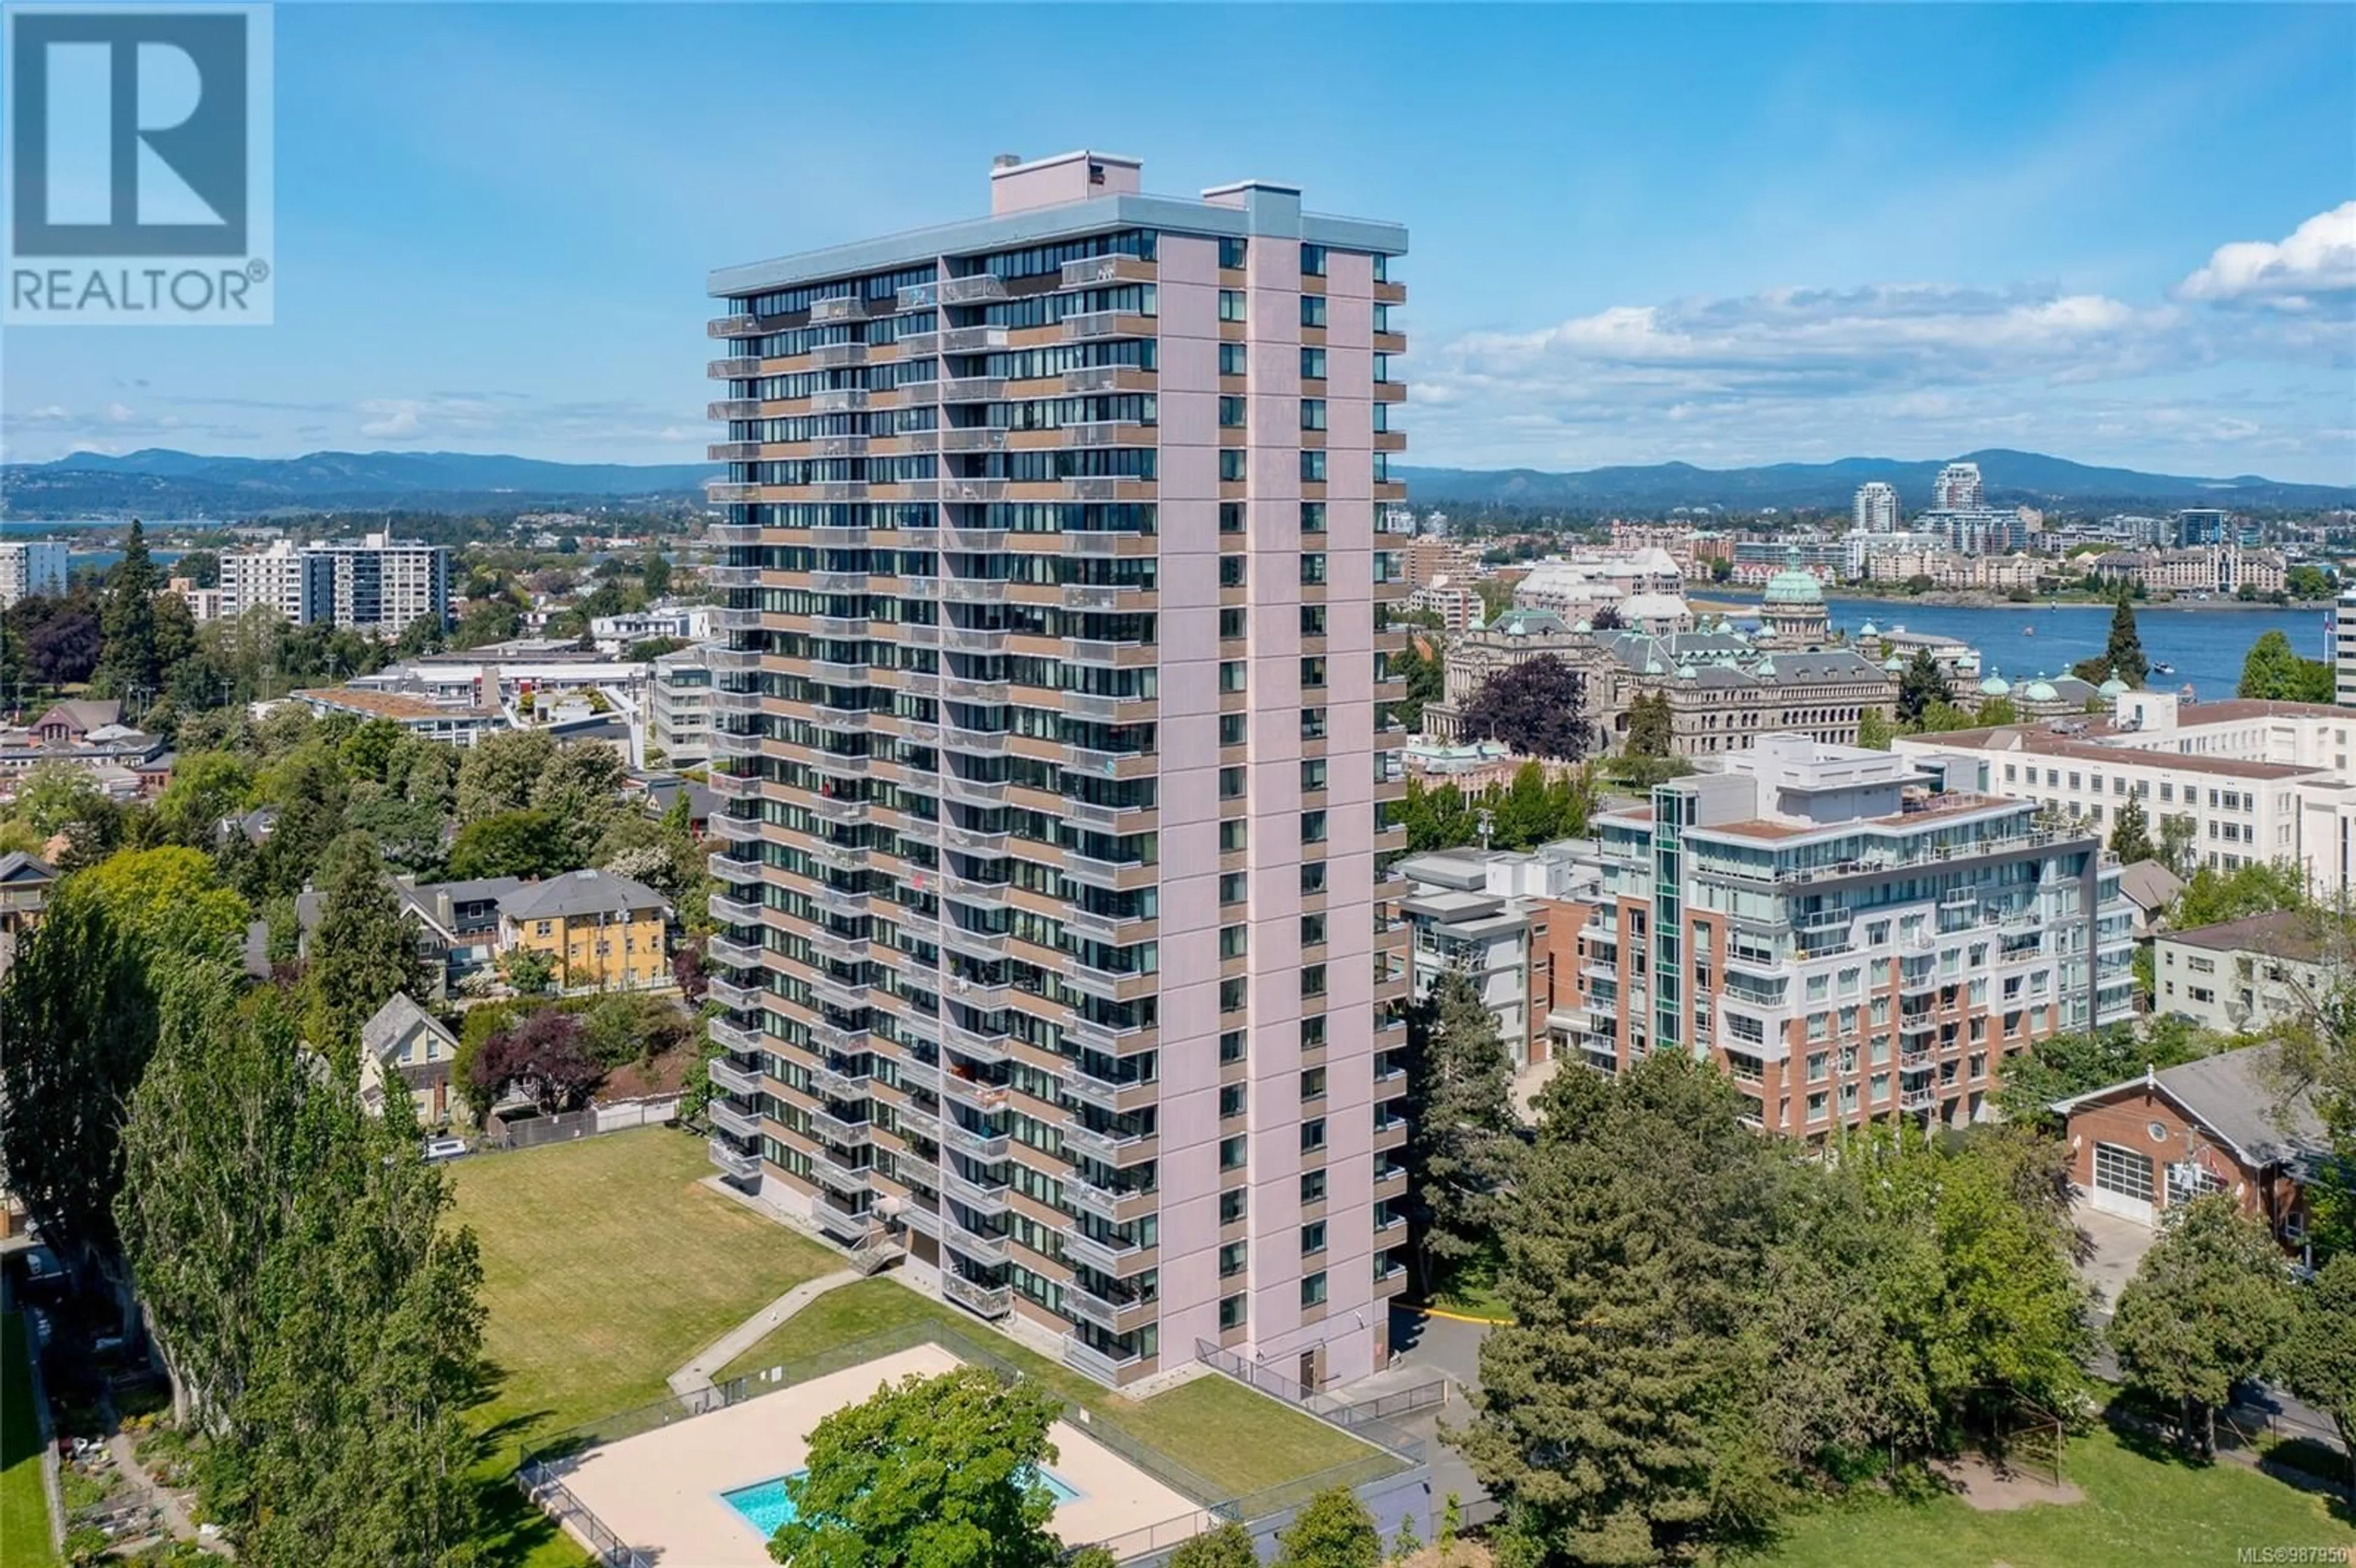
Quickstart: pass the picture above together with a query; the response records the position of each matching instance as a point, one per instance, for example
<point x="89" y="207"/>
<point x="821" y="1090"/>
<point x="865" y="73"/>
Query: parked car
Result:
<point x="445" y="1148"/>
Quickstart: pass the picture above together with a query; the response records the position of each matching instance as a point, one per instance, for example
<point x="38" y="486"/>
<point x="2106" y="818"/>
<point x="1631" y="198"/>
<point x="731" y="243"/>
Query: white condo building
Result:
<point x="35" y="567"/>
<point x="1958" y="489"/>
<point x="1876" y="509"/>
<point x="2343" y="647"/>
<point x="379" y="584"/>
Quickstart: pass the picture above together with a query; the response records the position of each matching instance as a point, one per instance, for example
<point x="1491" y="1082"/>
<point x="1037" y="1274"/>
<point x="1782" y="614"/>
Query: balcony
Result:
<point x="1096" y="324"/>
<point x="975" y="1195"/>
<point x="839" y="1085"/>
<point x="1918" y="1100"/>
<point x="1114" y="1317"/>
<point x="731" y="1118"/>
<point x="974" y="438"/>
<point x="843" y="1134"/>
<point x="731" y="829"/>
<point x="1116" y="1149"/>
<point x="734" y="369"/>
<point x="982" y="1300"/>
<point x="986" y="1146"/>
<point x="1082" y="1357"/>
<point x="736" y="998"/>
<point x="733" y="409"/>
<point x="1116" y="1260"/>
<point x="730" y="451"/>
<point x="1117" y="1206"/>
<point x="719" y="491"/>
<point x="725" y="1075"/>
<point x="836" y="1177"/>
<point x="839" y="401"/>
<point x="842" y="1226"/>
<point x="916" y="1124"/>
<point x="743" y="1167"/>
<point x="735" y="787"/>
<point x="842" y="307"/>
<point x="972" y="390"/>
<point x="925" y="1076"/>
<point x="735" y="954"/>
<point x="734" y="912"/>
<point x="982" y="1249"/>
<point x="1108" y="1094"/>
<point x="833" y="355"/>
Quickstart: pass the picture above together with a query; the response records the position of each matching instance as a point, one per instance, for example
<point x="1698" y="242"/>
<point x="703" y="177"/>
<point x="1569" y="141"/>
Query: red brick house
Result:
<point x="2218" y="1125"/>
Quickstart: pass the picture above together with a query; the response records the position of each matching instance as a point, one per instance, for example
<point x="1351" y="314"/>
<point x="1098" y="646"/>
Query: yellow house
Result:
<point x="604" y="931"/>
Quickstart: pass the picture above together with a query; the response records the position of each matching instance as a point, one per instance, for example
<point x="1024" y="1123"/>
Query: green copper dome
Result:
<point x="1994" y="686"/>
<point x="1794" y="586"/>
<point x="2041" y="690"/>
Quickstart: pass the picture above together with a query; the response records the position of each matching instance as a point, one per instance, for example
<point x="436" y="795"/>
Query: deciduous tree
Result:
<point x="931" y="1471"/>
<point x="544" y="1055"/>
<point x="2318" y="1357"/>
<point x="1332" y="1530"/>
<point x="1874" y="731"/>
<point x="1228" y="1546"/>
<point x="1537" y="707"/>
<point x="1650" y="727"/>
<point x="2273" y="670"/>
<point x="2207" y="1308"/>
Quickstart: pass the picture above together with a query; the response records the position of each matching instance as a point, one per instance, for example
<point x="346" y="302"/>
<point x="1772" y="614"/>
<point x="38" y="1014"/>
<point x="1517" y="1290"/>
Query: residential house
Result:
<point x="2151" y="887"/>
<point x="2221" y="1124"/>
<point x="2242" y="977"/>
<point x="405" y="1044"/>
<point x="604" y="932"/>
<point x="24" y="885"/>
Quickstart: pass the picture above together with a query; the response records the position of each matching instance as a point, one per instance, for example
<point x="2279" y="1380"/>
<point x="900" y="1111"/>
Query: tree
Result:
<point x="1537" y="707"/>
<point x="1332" y="1531"/>
<point x="2274" y="671"/>
<point x="2212" y="896"/>
<point x="297" y="1260"/>
<point x="2122" y="655"/>
<point x="1461" y="1128"/>
<point x="2206" y="1310"/>
<point x="1608" y="619"/>
<point x="2317" y="1358"/>
<point x="82" y="1025"/>
<point x="1615" y="1422"/>
<point x="206" y="789"/>
<point x="1995" y="710"/>
<point x="2068" y="1064"/>
<point x="1922" y="685"/>
<point x="1426" y="674"/>
<point x="512" y="844"/>
<point x="171" y="902"/>
<point x="2129" y="840"/>
<point x="1873" y="730"/>
<point x="2178" y="834"/>
<point x="57" y="798"/>
<point x="1228" y="1546"/>
<point x="129" y="664"/>
<point x="544" y="1057"/>
<point x="655" y="574"/>
<point x="425" y="634"/>
<point x="1651" y="732"/>
<point x="365" y="949"/>
<point x="60" y="640"/>
<point x="500" y="772"/>
<point x="935" y="1470"/>
<point x="528" y="971"/>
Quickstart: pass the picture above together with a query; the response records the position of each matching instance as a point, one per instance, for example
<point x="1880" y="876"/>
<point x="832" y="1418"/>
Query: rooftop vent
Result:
<point x="1006" y="160"/>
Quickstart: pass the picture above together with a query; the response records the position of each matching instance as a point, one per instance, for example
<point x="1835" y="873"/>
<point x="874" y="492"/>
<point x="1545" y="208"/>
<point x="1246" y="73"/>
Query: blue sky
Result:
<point x="2118" y="233"/>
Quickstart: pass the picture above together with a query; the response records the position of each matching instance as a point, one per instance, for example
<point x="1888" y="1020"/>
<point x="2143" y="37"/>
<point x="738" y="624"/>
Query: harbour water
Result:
<point x="2020" y="642"/>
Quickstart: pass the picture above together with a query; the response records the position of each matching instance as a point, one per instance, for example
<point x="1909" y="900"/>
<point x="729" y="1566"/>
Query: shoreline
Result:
<point x="1996" y="601"/>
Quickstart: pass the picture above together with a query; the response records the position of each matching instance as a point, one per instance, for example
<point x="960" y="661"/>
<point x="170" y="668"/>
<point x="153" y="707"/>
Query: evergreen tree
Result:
<point x="128" y="664"/>
<point x="2207" y="1308"/>
<point x="2130" y="838"/>
<point x="1923" y="686"/>
<point x="1650" y="727"/>
<point x="1332" y="1530"/>
<point x="1461" y="1128"/>
<point x="365" y="948"/>
<point x="2122" y="655"/>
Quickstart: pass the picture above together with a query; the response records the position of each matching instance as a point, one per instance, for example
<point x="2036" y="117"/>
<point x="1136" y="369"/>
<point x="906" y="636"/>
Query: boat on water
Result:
<point x="2029" y="631"/>
<point x="2163" y="669"/>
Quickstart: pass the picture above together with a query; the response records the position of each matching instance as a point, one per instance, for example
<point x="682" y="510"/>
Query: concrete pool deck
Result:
<point x="660" y="1491"/>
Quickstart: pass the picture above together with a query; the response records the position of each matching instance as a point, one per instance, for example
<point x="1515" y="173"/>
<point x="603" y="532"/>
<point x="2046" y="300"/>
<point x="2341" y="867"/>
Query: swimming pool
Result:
<point x="764" y="1506"/>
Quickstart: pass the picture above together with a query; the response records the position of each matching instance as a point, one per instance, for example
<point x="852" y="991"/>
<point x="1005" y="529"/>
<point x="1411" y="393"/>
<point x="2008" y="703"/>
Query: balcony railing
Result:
<point x="1083" y="1358"/>
<point x="731" y="1118"/>
<point x="727" y="1075"/>
<point x="982" y="1249"/>
<point x="734" y="1160"/>
<point x="734" y="369"/>
<point x="986" y="1300"/>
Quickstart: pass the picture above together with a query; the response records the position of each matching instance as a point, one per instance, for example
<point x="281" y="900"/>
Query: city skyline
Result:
<point x="1768" y="242"/>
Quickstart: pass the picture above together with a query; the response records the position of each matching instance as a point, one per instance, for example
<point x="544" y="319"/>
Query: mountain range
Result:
<point x="161" y="482"/>
<point x="158" y="482"/>
<point x="2010" y="478"/>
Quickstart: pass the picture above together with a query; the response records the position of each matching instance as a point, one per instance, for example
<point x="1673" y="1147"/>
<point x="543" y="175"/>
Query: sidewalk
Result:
<point x="696" y="1376"/>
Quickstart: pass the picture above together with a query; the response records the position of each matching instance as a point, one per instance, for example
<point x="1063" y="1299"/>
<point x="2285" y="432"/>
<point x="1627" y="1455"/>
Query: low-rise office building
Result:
<point x="2244" y="976"/>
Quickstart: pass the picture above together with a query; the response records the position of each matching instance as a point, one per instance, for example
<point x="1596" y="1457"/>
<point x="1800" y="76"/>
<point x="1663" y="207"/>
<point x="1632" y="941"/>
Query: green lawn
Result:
<point x="1236" y="1442"/>
<point x="2142" y="1510"/>
<point x="605" y="1266"/>
<point x="24" y="1511"/>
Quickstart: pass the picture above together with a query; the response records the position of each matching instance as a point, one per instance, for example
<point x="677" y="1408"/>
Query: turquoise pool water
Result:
<point x="765" y="1505"/>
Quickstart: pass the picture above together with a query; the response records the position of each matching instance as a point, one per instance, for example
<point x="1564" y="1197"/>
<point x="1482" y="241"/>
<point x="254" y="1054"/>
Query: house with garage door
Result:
<point x="2223" y="1123"/>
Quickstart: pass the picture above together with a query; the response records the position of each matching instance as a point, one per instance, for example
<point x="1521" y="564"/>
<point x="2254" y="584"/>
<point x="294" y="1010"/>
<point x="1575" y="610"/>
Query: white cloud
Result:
<point x="397" y="418"/>
<point x="117" y="413"/>
<point x="2316" y="261"/>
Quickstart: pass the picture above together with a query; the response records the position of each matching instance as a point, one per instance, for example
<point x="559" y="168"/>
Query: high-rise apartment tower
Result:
<point x="1876" y="510"/>
<point x="1958" y="488"/>
<point x="1053" y="724"/>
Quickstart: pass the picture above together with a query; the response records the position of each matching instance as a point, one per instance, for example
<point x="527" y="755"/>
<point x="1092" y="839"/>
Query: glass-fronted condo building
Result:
<point x="1052" y="724"/>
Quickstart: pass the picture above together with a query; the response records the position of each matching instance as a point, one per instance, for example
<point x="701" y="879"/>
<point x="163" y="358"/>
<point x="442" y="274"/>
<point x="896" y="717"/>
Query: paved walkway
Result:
<point x="696" y="1376"/>
<point x="166" y="1501"/>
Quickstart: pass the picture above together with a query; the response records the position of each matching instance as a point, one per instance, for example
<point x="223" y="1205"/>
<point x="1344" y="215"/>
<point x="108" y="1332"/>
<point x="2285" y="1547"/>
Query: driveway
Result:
<point x="1439" y="1344"/>
<point x="2119" y="1247"/>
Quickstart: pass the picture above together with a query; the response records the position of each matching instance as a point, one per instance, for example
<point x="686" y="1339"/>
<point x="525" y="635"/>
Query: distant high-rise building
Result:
<point x="1876" y="508"/>
<point x="1053" y="738"/>
<point x="378" y="585"/>
<point x="37" y="568"/>
<point x="1958" y="488"/>
<point x="2201" y="525"/>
